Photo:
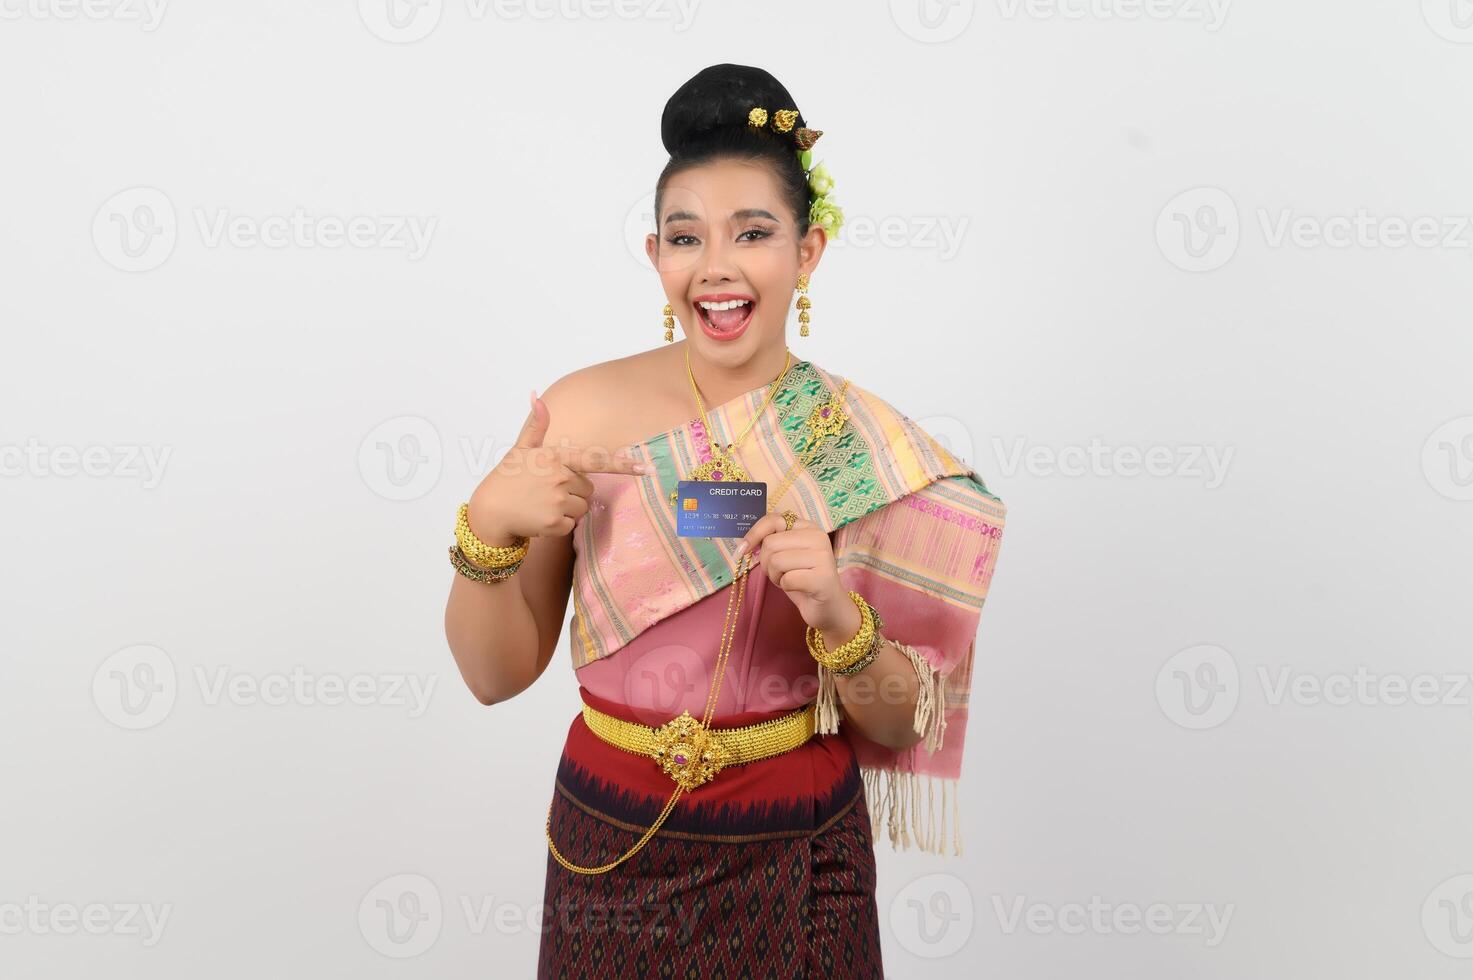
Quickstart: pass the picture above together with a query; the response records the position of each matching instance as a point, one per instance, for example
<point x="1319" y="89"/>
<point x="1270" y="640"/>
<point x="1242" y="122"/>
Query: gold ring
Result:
<point x="789" y="518"/>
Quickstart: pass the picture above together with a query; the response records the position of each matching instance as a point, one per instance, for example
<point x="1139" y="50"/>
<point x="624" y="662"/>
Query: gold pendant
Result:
<point x="687" y="752"/>
<point x="826" y="419"/>
<point x="719" y="467"/>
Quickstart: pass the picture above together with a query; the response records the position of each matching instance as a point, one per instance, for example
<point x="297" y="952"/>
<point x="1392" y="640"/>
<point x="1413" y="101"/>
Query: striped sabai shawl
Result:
<point x="914" y="530"/>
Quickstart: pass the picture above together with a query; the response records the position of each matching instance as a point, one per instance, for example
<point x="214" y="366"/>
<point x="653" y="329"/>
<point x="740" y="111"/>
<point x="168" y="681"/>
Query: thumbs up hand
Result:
<point x="537" y="490"/>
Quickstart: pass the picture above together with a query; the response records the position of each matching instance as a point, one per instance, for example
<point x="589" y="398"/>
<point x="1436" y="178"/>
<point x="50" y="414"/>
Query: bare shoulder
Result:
<point x="606" y="404"/>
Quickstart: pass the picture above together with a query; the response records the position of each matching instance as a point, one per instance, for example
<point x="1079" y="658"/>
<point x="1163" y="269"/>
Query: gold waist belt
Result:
<point x="692" y="754"/>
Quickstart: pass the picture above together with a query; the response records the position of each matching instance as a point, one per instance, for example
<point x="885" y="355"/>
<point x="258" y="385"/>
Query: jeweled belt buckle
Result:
<point x="688" y="751"/>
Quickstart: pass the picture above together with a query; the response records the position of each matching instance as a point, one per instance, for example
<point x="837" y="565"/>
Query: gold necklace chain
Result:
<point x="723" y="464"/>
<point x="824" y="421"/>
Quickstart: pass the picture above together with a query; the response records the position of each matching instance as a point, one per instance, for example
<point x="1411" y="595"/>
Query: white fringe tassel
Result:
<point x="900" y="808"/>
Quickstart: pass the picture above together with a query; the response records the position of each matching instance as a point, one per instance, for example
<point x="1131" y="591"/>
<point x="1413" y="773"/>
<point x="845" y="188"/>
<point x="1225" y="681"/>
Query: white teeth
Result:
<point x="730" y="304"/>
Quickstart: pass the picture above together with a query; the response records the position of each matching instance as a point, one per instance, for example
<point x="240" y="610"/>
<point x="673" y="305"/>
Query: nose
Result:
<point x="717" y="263"/>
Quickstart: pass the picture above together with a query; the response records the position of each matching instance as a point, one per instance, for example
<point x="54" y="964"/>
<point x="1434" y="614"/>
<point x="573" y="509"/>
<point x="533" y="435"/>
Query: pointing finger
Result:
<point x="593" y="459"/>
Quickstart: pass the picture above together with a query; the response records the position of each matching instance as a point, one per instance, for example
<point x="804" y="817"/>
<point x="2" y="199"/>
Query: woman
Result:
<point x="746" y="698"/>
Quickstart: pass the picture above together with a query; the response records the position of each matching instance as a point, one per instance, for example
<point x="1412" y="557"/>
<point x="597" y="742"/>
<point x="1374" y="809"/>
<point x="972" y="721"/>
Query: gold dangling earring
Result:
<point x="669" y="324"/>
<point x="803" y="304"/>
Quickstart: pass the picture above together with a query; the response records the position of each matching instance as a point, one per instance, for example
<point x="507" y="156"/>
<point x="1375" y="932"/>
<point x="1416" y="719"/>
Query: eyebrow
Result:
<point x="737" y="215"/>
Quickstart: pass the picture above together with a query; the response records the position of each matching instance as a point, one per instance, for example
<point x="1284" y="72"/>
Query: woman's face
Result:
<point x="724" y="234"/>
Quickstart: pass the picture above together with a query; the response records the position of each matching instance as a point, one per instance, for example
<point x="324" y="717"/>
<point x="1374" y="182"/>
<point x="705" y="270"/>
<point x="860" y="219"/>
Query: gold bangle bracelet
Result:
<point x="855" y="649"/>
<point x="483" y="554"/>
<point x="465" y="567"/>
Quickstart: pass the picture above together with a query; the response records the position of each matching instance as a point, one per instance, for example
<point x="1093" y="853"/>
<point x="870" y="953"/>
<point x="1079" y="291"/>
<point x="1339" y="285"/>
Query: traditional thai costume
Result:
<point x="767" y="868"/>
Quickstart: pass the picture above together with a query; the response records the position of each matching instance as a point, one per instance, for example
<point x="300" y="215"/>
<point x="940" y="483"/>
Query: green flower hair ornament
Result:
<point x="823" y="211"/>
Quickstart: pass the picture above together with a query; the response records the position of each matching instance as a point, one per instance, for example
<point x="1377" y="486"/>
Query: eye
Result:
<point x="675" y="239"/>
<point x="759" y="232"/>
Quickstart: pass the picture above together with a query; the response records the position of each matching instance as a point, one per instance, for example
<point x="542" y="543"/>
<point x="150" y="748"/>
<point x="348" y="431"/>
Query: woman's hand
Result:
<point x="801" y="563"/>
<point x="537" y="490"/>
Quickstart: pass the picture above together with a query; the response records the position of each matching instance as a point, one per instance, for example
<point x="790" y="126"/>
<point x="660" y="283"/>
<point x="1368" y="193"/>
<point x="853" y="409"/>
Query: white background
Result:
<point x="1115" y="177"/>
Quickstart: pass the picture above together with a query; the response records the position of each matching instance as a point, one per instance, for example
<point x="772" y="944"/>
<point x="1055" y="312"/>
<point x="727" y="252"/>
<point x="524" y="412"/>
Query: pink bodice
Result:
<point x="668" y="667"/>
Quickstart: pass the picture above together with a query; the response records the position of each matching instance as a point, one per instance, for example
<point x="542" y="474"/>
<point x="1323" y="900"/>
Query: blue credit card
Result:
<point x="718" y="508"/>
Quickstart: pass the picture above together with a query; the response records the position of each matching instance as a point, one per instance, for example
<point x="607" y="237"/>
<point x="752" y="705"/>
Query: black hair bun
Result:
<point x="718" y="98"/>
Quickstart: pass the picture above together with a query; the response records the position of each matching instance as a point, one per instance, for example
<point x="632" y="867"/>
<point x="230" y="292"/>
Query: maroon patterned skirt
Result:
<point x="766" y="871"/>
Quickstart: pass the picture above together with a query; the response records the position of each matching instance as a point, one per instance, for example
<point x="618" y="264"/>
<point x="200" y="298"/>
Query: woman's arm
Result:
<point x="880" y="700"/>
<point x="503" y="634"/>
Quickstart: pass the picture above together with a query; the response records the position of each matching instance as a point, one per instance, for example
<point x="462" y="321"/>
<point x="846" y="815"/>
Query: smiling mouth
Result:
<point x="726" y="321"/>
